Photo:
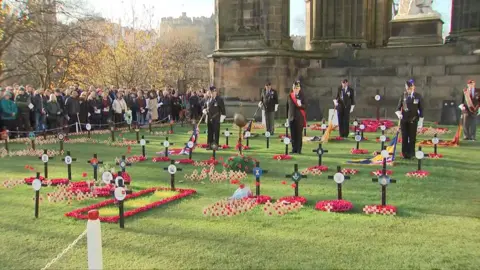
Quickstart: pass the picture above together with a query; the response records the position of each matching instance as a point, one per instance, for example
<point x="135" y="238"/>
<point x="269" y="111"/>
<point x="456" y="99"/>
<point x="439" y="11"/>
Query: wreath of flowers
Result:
<point x="380" y="209"/>
<point x="127" y="179"/>
<point x="380" y="172"/>
<point x="293" y="199"/>
<point x="261" y="199"/>
<point x="282" y="157"/>
<point x="281" y="208"/>
<point x="334" y="206"/>
<point x="203" y="145"/>
<point x="418" y="174"/>
<point x="229" y="208"/>
<point x="160" y="159"/>
<point x="315" y="170"/>
<point x="358" y="151"/>
<point x="349" y="171"/>
<point x="82" y="212"/>
<point x="435" y="156"/>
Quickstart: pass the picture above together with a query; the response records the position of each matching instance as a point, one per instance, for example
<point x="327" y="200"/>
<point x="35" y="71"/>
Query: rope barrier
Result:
<point x="69" y="247"/>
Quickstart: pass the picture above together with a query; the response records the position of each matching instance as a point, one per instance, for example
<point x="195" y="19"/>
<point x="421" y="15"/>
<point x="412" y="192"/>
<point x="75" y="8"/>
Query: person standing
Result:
<point x="297" y="116"/>
<point x="119" y="107"/>
<point x="8" y="111"/>
<point x="344" y="103"/>
<point x="72" y="107"/>
<point x="269" y="104"/>
<point x="54" y="112"/>
<point x="410" y="113"/>
<point x="215" y="111"/>
<point x="469" y="106"/>
<point x="24" y="104"/>
<point x="194" y="103"/>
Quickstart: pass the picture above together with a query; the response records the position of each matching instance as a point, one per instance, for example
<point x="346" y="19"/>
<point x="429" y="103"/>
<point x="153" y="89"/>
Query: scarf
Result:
<point x="468" y="99"/>
<point x="302" y="110"/>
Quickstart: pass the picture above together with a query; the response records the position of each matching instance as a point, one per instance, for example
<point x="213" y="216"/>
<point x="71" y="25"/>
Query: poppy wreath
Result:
<point x="244" y="147"/>
<point x="282" y="157"/>
<point x="380" y="172"/>
<point x="380" y="210"/>
<point x="160" y="159"/>
<point x="48" y="182"/>
<point x="378" y="139"/>
<point x="82" y="212"/>
<point x="293" y="199"/>
<point x="134" y="159"/>
<point x="127" y="179"/>
<point x="358" y="151"/>
<point x="349" y="171"/>
<point x="283" y="136"/>
<point x="334" y="206"/>
<point x="281" y="208"/>
<point x="241" y="163"/>
<point x="262" y="199"/>
<point x="435" y="156"/>
<point x="185" y="161"/>
<point x="225" y="146"/>
<point x="203" y="145"/>
<point x="418" y="174"/>
<point x="88" y="187"/>
<point x="229" y="208"/>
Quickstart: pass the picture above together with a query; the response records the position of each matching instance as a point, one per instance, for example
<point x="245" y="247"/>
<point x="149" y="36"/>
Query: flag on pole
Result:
<point x="378" y="159"/>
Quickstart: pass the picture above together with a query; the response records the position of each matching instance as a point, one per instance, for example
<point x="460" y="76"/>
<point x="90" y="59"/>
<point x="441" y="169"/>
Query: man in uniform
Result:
<point x="344" y="102"/>
<point x="215" y="111"/>
<point x="410" y="113"/>
<point x="24" y="104"/>
<point x="269" y="104"/>
<point x="297" y="116"/>
<point x="469" y="106"/>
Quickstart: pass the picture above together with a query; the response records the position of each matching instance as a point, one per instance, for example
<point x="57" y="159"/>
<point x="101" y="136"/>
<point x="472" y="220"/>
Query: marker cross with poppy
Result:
<point x="296" y="176"/>
<point x="94" y="162"/>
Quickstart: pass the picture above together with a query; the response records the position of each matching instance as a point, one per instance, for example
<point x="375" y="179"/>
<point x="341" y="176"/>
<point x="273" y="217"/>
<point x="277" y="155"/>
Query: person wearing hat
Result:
<point x="469" y="106"/>
<point x="410" y="113"/>
<point x="215" y="112"/>
<point x="8" y="111"/>
<point x="24" y="105"/>
<point x="344" y="103"/>
<point x="269" y="103"/>
<point x="297" y="116"/>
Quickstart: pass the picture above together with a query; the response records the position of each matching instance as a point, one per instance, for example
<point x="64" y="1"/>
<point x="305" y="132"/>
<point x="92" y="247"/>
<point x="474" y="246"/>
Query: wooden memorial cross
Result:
<point x="258" y="172"/>
<point x="123" y="163"/>
<point x="37" y="185"/>
<point x="142" y="142"/>
<point x="172" y="169"/>
<point x="362" y="130"/>
<point x="166" y="144"/>
<point x="296" y="177"/>
<point x="377" y="103"/>
<point x="355" y="125"/>
<point x="120" y="193"/>
<point x="227" y="135"/>
<point x="339" y="178"/>
<point x="435" y="142"/>
<point x="323" y="127"/>
<point x="137" y="132"/>
<point x="88" y="127"/>
<point x="44" y="158"/>
<point x="384" y="180"/>
<point x="267" y="138"/>
<point x="61" y="139"/>
<point x="286" y="141"/>
<point x="190" y="145"/>
<point x="247" y="136"/>
<point x="68" y="160"/>
<point x="358" y="139"/>
<point x="419" y="155"/>
<point x="320" y="152"/>
<point x="94" y="162"/>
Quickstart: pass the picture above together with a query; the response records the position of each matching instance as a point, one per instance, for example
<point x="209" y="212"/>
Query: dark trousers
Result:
<point x="95" y="121"/>
<point x="409" y="136"/>
<point x="10" y="124"/>
<point x="270" y="122"/>
<point x="118" y="119"/>
<point x="24" y="122"/>
<point x="343" y="121"/>
<point x="469" y="126"/>
<point x="296" y="131"/>
<point x="213" y="132"/>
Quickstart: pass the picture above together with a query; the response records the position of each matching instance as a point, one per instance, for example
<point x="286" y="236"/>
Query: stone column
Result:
<point x="465" y="18"/>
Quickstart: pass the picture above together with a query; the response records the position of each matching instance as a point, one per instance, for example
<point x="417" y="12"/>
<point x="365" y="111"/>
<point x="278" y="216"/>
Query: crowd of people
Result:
<point x="24" y="109"/>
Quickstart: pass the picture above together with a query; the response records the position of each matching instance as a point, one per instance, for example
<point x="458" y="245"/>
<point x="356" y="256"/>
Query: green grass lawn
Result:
<point x="437" y="225"/>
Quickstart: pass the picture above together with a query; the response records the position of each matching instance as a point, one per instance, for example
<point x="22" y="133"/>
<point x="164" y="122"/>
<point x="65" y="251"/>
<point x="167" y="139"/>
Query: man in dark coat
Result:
<point x="269" y="104"/>
<point x="215" y="111"/>
<point x="297" y="116"/>
<point x="469" y="106"/>
<point x="344" y="103"/>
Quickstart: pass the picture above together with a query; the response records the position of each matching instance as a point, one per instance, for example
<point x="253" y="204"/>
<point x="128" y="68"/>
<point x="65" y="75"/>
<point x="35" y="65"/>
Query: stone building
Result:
<point x="354" y="39"/>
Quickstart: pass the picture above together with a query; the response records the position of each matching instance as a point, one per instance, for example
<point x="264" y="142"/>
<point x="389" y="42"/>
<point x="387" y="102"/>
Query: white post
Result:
<point x="264" y="118"/>
<point x="94" y="241"/>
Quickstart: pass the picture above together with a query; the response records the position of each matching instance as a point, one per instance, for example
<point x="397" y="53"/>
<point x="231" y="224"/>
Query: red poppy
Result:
<point x="84" y="174"/>
<point x="284" y="182"/>
<point x="242" y="186"/>
<point x="294" y="185"/>
<point x="234" y="181"/>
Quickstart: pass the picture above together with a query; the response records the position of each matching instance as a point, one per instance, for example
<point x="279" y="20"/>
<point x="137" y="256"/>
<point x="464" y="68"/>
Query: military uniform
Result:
<point x="345" y="101"/>
<point x="470" y="105"/>
<point x="410" y="107"/>
<point x="270" y="106"/>
<point x="297" y="117"/>
<point x="215" y="110"/>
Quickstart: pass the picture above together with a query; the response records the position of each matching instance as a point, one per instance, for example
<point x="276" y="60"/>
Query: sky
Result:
<point x="149" y="12"/>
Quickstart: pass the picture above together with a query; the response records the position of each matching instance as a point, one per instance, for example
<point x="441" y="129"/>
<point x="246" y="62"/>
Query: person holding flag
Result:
<point x="297" y="116"/>
<point x="410" y="113"/>
<point x="469" y="106"/>
<point x="215" y="112"/>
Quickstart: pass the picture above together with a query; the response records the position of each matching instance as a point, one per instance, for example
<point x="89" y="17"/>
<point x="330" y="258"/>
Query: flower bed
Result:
<point x="262" y="199"/>
<point x="435" y="156"/>
<point x="28" y="153"/>
<point x="161" y="159"/>
<point x="349" y="171"/>
<point x="334" y="206"/>
<point x="315" y="170"/>
<point x="133" y="159"/>
<point x="281" y="208"/>
<point x="86" y="187"/>
<point x="82" y="212"/>
<point x="185" y="161"/>
<point x="48" y="182"/>
<point x="358" y="151"/>
<point x="380" y="172"/>
<point x="380" y="210"/>
<point x="293" y="199"/>
<point x="206" y="163"/>
<point x="241" y="163"/>
<point x="282" y="157"/>
<point x="372" y="125"/>
<point x="229" y="208"/>
<point x="338" y="138"/>
<point x="127" y="179"/>
<point x="418" y="174"/>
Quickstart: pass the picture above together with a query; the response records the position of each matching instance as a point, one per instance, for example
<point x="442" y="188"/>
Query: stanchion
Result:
<point x="94" y="241"/>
